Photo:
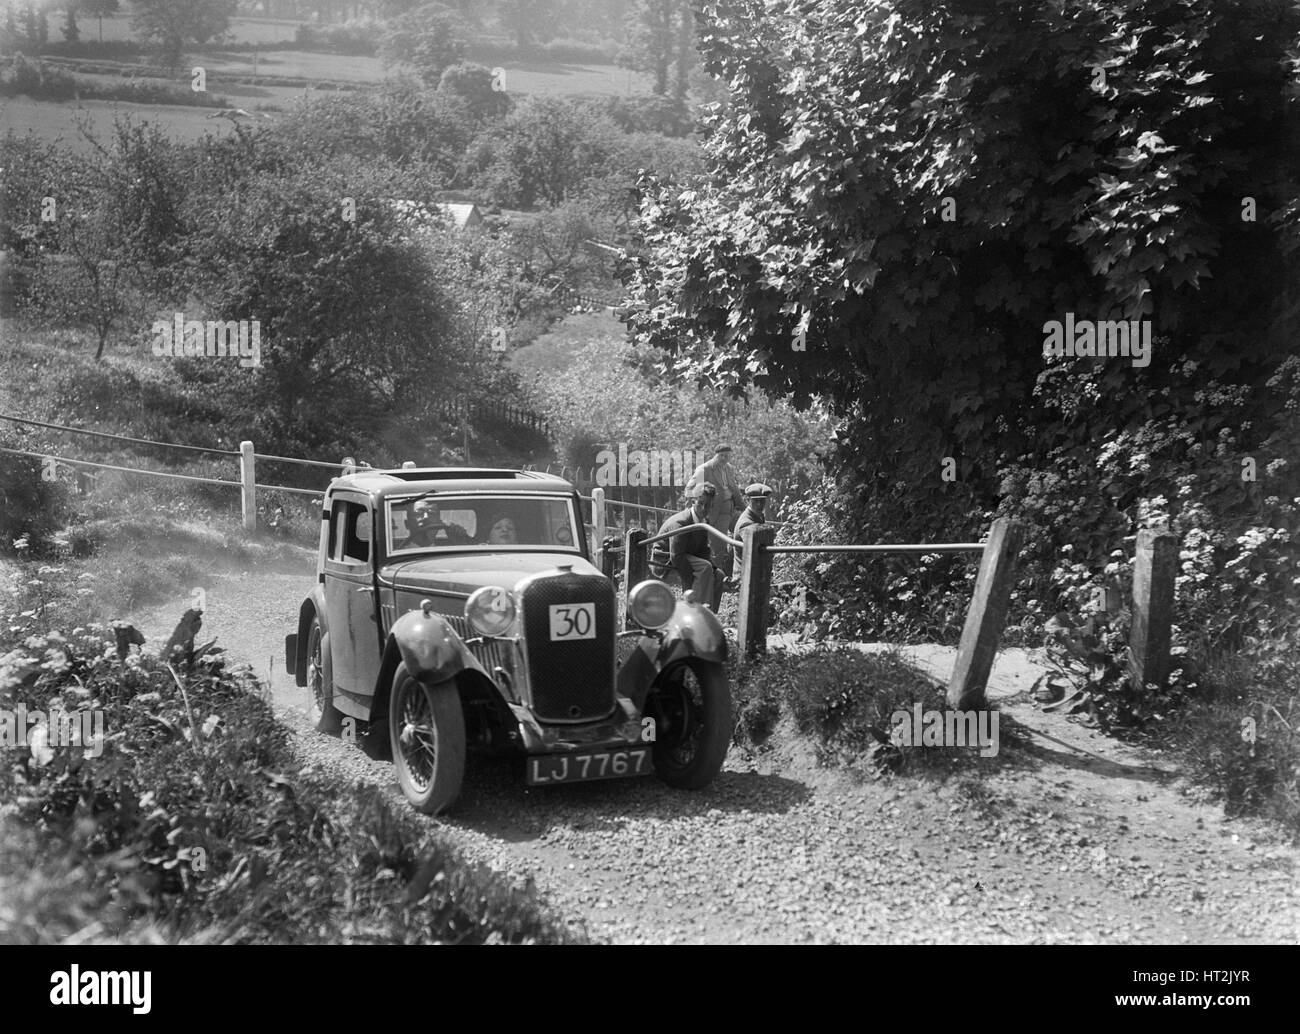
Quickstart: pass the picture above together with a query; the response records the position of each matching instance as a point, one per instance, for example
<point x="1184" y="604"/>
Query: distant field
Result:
<point x="55" y="121"/>
<point x="547" y="78"/>
<point x="242" y="30"/>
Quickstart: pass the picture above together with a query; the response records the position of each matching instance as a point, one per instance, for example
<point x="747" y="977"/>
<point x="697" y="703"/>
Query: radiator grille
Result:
<point x="492" y="654"/>
<point x="570" y="681"/>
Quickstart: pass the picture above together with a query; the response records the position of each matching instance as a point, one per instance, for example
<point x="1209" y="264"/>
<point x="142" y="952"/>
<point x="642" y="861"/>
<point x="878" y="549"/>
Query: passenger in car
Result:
<point x="502" y="532"/>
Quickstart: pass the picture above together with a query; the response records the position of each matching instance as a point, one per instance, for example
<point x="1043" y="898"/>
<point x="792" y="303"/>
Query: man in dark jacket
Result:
<point x="757" y="494"/>
<point x="690" y="553"/>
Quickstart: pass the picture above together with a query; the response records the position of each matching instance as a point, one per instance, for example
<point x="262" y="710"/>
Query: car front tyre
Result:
<point x="426" y="729"/>
<point x="321" y="712"/>
<point x="691" y="706"/>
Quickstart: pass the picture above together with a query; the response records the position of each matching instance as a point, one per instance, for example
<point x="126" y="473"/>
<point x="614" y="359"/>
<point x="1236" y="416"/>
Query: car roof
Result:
<point x="413" y="480"/>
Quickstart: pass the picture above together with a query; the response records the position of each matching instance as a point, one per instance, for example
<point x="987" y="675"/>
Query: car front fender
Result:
<point x="693" y="632"/>
<point x="429" y="647"/>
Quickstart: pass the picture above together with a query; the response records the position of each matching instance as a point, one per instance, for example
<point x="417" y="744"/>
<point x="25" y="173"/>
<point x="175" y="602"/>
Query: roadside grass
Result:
<point x="1240" y="740"/>
<point x="188" y="823"/>
<point x="842" y="701"/>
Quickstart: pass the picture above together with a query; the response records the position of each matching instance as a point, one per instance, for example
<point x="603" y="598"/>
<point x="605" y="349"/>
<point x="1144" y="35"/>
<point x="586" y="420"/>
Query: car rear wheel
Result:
<point x="691" y="706"/>
<point x="426" y="729"/>
<point x="321" y="712"/>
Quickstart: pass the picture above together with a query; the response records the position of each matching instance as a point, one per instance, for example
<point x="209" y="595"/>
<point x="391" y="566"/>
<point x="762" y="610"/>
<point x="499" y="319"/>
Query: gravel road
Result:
<point x="1041" y="844"/>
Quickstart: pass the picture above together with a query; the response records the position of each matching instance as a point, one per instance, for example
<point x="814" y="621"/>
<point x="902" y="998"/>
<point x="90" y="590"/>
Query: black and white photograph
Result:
<point x="650" y="473"/>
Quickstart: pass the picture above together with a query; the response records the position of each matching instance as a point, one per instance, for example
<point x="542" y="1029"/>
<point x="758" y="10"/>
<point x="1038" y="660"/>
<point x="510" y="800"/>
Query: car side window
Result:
<point x="351" y="533"/>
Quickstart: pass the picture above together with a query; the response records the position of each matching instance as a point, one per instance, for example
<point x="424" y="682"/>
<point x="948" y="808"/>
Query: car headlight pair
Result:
<point x="490" y="610"/>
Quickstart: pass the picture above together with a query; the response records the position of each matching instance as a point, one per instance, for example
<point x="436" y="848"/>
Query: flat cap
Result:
<point x="724" y="447"/>
<point x="757" y="489"/>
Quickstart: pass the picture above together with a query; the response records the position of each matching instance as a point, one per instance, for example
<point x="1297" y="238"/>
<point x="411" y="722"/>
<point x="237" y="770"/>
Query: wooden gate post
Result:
<point x="984" y="619"/>
<point x="1154" y="569"/>
<point x="249" y="485"/>
<point x="598" y="524"/>
<point x="636" y="565"/>
<point x="755" y="590"/>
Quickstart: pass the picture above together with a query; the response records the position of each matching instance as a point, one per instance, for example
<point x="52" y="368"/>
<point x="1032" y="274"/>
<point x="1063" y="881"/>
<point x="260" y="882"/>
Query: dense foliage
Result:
<point x="902" y="195"/>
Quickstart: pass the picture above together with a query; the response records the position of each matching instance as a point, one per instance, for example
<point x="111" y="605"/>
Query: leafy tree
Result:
<point x="546" y="150"/>
<point x="474" y="84"/>
<point x="427" y="40"/>
<point x="401" y="121"/>
<point x="825" y="223"/>
<point x="98" y="9"/>
<point x="88" y="281"/>
<point x="171" y="24"/>
<point x="70" y="31"/>
<point x="528" y="21"/>
<point x="902" y="195"/>
<point x="661" y="41"/>
<point x="361" y="312"/>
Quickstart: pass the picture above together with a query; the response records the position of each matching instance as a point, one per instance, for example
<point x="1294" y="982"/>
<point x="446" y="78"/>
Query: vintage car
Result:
<point x="460" y="609"/>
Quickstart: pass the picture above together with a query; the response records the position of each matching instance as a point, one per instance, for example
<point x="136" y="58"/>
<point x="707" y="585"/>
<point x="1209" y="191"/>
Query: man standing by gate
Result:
<point x="726" y="499"/>
<point x="757" y="494"/>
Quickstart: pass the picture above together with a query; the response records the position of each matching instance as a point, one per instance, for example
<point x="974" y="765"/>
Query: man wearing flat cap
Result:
<point x="758" y="495"/>
<point x="726" y="499"/>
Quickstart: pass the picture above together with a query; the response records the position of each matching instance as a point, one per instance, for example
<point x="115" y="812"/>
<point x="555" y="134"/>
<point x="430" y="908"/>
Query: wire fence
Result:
<point x="246" y="457"/>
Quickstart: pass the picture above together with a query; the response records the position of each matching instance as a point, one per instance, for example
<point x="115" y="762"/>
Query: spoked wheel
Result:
<point x="426" y="729"/>
<point x="691" y="706"/>
<point x="322" y="713"/>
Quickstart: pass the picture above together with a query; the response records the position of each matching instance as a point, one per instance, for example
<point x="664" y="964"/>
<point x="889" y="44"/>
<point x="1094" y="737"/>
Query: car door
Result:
<point x="350" y="605"/>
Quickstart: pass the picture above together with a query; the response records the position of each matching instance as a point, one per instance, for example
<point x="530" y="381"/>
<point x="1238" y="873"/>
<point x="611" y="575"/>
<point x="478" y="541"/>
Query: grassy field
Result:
<point x="61" y="120"/>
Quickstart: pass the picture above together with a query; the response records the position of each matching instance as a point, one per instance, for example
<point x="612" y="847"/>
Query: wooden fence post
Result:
<point x="1154" y="569"/>
<point x="249" y="483"/>
<point x="598" y="524"/>
<point x="984" y="619"/>
<point x="636" y="567"/>
<point x="755" y="590"/>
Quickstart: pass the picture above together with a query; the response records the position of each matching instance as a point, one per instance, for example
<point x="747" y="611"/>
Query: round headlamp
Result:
<point x="490" y="610"/>
<point x="651" y="604"/>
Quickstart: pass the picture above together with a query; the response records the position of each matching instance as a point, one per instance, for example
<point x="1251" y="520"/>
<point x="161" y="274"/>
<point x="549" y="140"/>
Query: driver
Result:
<point x="429" y="529"/>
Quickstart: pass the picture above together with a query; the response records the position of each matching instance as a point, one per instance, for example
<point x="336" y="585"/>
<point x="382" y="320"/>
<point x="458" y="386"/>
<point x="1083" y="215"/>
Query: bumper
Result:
<point x="621" y="729"/>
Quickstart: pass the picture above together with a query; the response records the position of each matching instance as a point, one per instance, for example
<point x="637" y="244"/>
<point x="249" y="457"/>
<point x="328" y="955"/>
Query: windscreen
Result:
<point x="481" y="522"/>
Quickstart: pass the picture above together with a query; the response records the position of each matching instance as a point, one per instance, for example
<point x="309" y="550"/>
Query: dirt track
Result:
<point x="1047" y="846"/>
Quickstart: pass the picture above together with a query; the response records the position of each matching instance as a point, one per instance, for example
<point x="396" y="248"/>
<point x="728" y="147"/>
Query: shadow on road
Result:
<point x="496" y="802"/>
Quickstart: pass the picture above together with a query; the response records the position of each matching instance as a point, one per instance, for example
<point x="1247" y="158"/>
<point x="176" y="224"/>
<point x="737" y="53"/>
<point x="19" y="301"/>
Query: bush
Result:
<point x="359" y="36"/>
<point x="842" y="700"/>
<point x="33" y="499"/>
<point x="1241" y="738"/>
<point x="646" y="113"/>
<point x="188" y="825"/>
<point x="38" y="80"/>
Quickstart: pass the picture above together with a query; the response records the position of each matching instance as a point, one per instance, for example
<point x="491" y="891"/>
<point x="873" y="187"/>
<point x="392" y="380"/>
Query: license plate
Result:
<point x="573" y="621"/>
<point x="596" y="764"/>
